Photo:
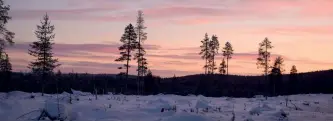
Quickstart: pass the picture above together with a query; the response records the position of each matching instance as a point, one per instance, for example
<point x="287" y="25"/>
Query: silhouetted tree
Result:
<point x="6" y="35"/>
<point x="129" y="44"/>
<point x="278" y="64"/>
<point x="222" y="68"/>
<point x="293" y="80"/>
<point x="264" y="55"/>
<point x="5" y="70"/>
<point x="5" y="65"/>
<point x="142" y="61"/>
<point x="205" y="54"/>
<point x="293" y="70"/>
<point x="214" y="46"/>
<point x="276" y="75"/>
<point x="150" y="83"/>
<point x="42" y="51"/>
<point x="227" y="53"/>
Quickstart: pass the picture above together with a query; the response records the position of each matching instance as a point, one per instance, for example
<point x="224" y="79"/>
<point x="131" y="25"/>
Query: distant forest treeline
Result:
<point x="208" y="85"/>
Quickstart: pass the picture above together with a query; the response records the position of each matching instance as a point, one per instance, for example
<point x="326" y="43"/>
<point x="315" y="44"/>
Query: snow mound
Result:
<point x="187" y="117"/>
<point x="155" y="106"/>
<point x="75" y="92"/>
<point x="260" y="109"/>
<point x="55" y="109"/>
<point x="202" y="104"/>
<point x="17" y="94"/>
<point x="281" y="115"/>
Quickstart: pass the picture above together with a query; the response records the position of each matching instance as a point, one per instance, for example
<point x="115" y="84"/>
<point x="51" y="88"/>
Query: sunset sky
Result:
<point x="88" y="32"/>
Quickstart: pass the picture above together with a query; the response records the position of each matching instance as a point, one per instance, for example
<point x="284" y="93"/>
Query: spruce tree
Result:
<point x="227" y="53"/>
<point x="5" y="71"/>
<point x="222" y="68"/>
<point x="129" y="45"/>
<point x="5" y="65"/>
<point x="293" y="70"/>
<point x="214" y="46"/>
<point x="7" y="36"/>
<point x="293" y="80"/>
<point x="141" y="60"/>
<point x="276" y="75"/>
<point x="44" y="62"/>
<point x="278" y="65"/>
<point x="205" y="53"/>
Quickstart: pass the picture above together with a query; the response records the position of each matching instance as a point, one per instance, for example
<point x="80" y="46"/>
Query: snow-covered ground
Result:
<point x="18" y="106"/>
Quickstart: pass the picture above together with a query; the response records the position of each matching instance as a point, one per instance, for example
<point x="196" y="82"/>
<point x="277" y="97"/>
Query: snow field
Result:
<point x="306" y="107"/>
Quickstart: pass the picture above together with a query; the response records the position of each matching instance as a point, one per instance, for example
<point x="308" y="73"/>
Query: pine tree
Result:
<point x="141" y="60"/>
<point x="205" y="54"/>
<point x="129" y="45"/>
<point x="278" y="66"/>
<point x="7" y="36"/>
<point x="222" y="68"/>
<point x="293" y="70"/>
<point x="5" y="65"/>
<point x="264" y="55"/>
<point x="214" y="46"/>
<point x="5" y="71"/>
<point x="227" y="53"/>
<point x="276" y="75"/>
<point x="42" y="50"/>
<point x="293" y="80"/>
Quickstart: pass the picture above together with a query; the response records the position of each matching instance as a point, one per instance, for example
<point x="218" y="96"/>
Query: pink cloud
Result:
<point x="199" y="12"/>
<point x="304" y="30"/>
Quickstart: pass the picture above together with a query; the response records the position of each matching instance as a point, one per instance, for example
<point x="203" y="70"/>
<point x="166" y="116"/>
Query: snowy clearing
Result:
<point x="19" y="106"/>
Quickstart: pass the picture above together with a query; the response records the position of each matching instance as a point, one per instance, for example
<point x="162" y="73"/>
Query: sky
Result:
<point x="88" y="33"/>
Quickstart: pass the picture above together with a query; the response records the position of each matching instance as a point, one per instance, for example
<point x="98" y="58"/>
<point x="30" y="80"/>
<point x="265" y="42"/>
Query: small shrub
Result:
<point x="174" y="108"/>
<point x="32" y="96"/>
<point x="306" y="103"/>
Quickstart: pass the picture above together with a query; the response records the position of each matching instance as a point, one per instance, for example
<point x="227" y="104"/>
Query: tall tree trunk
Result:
<point x="266" y="66"/>
<point x="213" y="68"/>
<point x="44" y="64"/>
<point x="139" y="67"/>
<point x="127" y="66"/>
<point x="206" y="66"/>
<point x="228" y="66"/>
